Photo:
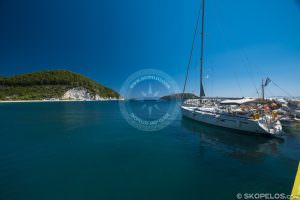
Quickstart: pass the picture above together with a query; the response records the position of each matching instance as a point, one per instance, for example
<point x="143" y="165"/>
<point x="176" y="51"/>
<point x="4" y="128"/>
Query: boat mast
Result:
<point x="202" y="94"/>
<point x="263" y="89"/>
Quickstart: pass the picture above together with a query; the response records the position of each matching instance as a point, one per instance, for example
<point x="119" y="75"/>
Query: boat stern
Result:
<point x="271" y="127"/>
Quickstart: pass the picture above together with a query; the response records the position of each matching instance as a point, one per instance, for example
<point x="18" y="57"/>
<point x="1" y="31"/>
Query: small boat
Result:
<point x="229" y="113"/>
<point x="289" y="120"/>
<point x="297" y="113"/>
<point x="289" y="111"/>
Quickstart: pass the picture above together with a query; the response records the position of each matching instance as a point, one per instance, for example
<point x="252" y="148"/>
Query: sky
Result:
<point x="108" y="40"/>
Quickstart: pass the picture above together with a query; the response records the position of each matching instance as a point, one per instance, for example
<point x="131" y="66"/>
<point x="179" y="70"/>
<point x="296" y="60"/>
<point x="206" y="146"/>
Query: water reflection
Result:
<point x="293" y="129"/>
<point x="234" y="144"/>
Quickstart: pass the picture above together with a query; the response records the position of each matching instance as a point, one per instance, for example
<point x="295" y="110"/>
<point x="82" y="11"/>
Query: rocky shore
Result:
<point x="74" y="94"/>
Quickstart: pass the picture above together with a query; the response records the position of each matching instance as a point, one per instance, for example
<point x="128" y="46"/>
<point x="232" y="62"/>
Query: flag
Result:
<point x="268" y="80"/>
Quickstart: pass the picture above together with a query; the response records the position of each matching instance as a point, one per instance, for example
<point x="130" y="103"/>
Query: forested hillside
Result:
<point x="48" y="84"/>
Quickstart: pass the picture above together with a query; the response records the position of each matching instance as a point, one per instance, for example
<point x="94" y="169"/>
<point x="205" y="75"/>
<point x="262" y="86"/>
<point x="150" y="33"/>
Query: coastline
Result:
<point x="47" y="101"/>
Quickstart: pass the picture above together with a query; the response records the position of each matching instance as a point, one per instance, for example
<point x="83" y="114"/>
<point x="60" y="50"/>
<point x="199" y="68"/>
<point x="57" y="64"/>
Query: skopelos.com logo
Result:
<point x="269" y="196"/>
<point x="143" y="107"/>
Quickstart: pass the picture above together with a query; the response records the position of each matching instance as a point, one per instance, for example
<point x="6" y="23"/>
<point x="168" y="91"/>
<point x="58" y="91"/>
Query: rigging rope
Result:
<point x="244" y="57"/>
<point x="250" y="72"/>
<point x="282" y="89"/>
<point x="191" y="52"/>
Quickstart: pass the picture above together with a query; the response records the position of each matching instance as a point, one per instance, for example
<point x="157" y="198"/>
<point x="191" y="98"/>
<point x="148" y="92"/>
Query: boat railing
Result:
<point x="200" y="102"/>
<point x="192" y="102"/>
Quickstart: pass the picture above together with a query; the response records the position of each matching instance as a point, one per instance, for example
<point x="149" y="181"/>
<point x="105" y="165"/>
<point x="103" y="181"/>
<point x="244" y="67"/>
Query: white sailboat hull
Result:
<point x="232" y="122"/>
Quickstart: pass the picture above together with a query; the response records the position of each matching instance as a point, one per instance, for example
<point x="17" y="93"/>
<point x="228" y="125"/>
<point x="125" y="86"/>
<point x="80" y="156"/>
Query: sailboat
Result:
<point x="239" y="114"/>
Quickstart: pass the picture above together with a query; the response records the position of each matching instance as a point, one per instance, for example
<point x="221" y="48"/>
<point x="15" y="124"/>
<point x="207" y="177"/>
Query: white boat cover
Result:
<point x="238" y="101"/>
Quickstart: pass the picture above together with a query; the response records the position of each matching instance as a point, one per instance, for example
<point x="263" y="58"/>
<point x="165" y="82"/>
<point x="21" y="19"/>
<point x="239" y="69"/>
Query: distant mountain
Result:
<point x="179" y="96"/>
<point x="58" y="84"/>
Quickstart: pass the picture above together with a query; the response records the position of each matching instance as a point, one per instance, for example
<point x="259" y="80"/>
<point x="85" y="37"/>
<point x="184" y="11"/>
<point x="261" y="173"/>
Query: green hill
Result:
<point x="48" y="84"/>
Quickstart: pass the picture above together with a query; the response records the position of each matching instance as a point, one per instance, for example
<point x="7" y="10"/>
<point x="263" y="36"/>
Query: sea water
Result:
<point x="87" y="150"/>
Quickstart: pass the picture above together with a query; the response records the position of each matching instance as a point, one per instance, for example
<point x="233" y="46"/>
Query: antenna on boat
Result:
<point x="202" y="93"/>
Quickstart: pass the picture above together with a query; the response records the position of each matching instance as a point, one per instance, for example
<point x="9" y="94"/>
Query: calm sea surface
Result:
<point x="86" y="150"/>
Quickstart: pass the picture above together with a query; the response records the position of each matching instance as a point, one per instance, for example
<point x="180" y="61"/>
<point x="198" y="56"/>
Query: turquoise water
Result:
<point x="86" y="150"/>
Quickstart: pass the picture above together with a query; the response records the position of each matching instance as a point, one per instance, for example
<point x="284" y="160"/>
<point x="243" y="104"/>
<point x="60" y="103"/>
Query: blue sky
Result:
<point x="109" y="40"/>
